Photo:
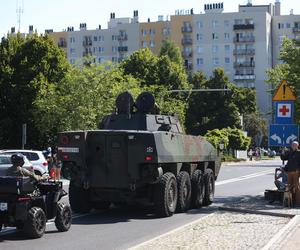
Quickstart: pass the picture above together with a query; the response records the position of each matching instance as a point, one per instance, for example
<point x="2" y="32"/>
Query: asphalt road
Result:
<point x="123" y="228"/>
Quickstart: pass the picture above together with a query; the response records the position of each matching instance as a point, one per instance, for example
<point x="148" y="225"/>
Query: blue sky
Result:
<point x="59" y="14"/>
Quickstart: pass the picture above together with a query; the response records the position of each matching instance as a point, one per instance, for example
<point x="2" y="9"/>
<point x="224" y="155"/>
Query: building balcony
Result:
<point x="296" y="30"/>
<point x="187" y="41"/>
<point x="87" y="54"/>
<point x="244" y="77"/>
<point x="187" y="54"/>
<point x="122" y="49"/>
<point x="62" y="44"/>
<point x="244" y="51"/>
<point x="244" y="65"/>
<point x="250" y="39"/>
<point x="243" y="26"/>
<point x="123" y="37"/>
<point x="87" y="43"/>
<point x="186" y="29"/>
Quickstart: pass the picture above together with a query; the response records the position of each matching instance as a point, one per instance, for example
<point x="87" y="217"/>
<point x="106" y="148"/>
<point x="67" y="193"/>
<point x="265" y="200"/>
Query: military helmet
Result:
<point x="17" y="159"/>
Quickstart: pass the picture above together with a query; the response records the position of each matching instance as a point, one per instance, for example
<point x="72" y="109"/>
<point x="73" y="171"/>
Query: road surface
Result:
<point x="123" y="228"/>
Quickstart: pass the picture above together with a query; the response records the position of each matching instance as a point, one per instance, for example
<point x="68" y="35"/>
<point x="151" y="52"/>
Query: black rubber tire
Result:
<point x="198" y="189"/>
<point x="184" y="192"/>
<point x="79" y="199"/>
<point x="165" y="195"/>
<point x="209" y="180"/>
<point x="100" y="205"/>
<point x="63" y="219"/>
<point x="35" y="225"/>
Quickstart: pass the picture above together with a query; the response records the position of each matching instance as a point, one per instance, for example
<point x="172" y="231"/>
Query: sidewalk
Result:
<point x="292" y="241"/>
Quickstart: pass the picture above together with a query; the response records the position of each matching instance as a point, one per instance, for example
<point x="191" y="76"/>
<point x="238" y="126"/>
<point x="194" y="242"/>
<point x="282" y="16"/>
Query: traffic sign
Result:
<point x="284" y="112"/>
<point x="282" y="135"/>
<point x="284" y="93"/>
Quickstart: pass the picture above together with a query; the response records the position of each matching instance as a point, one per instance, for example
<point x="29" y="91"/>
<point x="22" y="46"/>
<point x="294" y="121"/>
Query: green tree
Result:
<point x="256" y="127"/>
<point x="172" y="51"/>
<point x="288" y="70"/>
<point x="27" y="65"/>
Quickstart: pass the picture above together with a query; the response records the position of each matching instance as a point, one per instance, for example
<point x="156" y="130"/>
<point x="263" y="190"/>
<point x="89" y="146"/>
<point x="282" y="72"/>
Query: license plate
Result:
<point x="3" y="206"/>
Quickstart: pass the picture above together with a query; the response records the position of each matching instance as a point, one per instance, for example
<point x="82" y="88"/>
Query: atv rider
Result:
<point x="17" y="168"/>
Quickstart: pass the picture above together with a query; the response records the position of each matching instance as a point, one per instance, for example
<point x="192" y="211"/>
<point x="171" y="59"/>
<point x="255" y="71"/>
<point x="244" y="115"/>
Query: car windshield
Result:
<point x="31" y="156"/>
<point x="4" y="160"/>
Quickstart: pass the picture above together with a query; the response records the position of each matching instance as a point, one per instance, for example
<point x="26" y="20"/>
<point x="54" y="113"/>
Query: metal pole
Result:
<point x="24" y="132"/>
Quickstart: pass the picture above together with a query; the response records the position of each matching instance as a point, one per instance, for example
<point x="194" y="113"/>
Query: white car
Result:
<point x="5" y="163"/>
<point x="38" y="160"/>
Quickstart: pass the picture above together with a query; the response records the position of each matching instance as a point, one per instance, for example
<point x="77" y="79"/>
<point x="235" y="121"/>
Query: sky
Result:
<point x="59" y="14"/>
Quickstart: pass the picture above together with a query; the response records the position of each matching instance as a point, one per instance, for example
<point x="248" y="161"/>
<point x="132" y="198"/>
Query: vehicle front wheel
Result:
<point x="165" y="196"/>
<point x="63" y="218"/>
<point x="35" y="224"/>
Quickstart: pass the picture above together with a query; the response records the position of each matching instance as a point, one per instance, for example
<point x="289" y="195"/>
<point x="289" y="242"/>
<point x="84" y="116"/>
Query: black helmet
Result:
<point x="17" y="159"/>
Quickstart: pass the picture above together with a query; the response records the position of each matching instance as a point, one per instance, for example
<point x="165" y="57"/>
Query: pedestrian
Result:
<point x="250" y="154"/>
<point x="292" y="168"/>
<point x="57" y="167"/>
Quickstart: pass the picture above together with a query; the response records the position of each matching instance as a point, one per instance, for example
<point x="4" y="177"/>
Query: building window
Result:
<point x="72" y="50"/>
<point x="72" y="61"/>
<point x="215" y="36"/>
<point x="200" y="61"/>
<point x="280" y="25"/>
<point x="152" y="31"/>
<point x="101" y="38"/>
<point x="152" y="43"/>
<point x="227" y="60"/>
<point x="215" y="48"/>
<point x="95" y="38"/>
<point x="227" y="48"/>
<point x="226" y="36"/>
<point x="216" y="61"/>
<point x="200" y="50"/>
<point x="238" y="21"/>
<point x="114" y="49"/>
<point x="215" y="23"/>
<point x="72" y="39"/>
<point x="114" y="59"/>
<point x="200" y="24"/>
<point x="226" y="23"/>
<point x="166" y="31"/>
<point x="144" y="44"/>
<point x="144" y="32"/>
<point x="114" y="38"/>
<point x="199" y="37"/>
<point x="288" y="25"/>
<point x="101" y="49"/>
<point x="100" y="60"/>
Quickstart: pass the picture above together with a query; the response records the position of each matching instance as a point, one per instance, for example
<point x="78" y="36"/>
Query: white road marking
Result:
<point x="245" y="177"/>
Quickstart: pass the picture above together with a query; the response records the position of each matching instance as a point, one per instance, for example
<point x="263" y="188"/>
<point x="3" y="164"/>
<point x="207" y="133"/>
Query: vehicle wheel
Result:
<point x="184" y="191"/>
<point x="35" y="224"/>
<point x="198" y="189"/>
<point x="63" y="219"/>
<point x="79" y="199"/>
<point x="19" y="226"/>
<point x="101" y="205"/>
<point x="209" y="180"/>
<point x="165" y="196"/>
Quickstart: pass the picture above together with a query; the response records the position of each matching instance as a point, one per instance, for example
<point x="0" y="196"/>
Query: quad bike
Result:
<point x="28" y="205"/>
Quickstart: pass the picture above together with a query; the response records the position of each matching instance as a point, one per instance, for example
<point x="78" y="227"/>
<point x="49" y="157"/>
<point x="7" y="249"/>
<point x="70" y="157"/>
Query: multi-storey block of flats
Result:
<point x="245" y="43"/>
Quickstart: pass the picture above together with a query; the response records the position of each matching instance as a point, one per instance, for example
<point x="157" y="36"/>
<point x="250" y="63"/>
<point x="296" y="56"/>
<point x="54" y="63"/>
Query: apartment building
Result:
<point x="245" y="43"/>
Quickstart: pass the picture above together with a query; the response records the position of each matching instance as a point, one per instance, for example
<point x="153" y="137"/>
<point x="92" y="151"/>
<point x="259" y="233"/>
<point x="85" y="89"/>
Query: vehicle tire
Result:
<point x="63" y="219"/>
<point x="79" y="199"/>
<point x="165" y="195"/>
<point x="209" y="180"/>
<point x="198" y="189"/>
<point x="184" y="192"/>
<point x="35" y="225"/>
<point x="100" y="205"/>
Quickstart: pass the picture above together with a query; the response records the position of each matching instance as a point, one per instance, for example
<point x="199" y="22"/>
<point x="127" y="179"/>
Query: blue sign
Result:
<point x="282" y="135"/>
<point x="284" y="113"/>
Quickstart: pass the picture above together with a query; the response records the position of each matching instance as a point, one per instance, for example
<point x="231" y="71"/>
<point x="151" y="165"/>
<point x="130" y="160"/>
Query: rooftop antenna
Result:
<point x="19" y="11"/>
<point x="249" y="3"/>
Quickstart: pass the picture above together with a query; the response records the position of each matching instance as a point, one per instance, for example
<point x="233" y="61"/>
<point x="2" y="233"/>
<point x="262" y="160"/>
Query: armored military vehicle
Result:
<point x="138" y="154"/>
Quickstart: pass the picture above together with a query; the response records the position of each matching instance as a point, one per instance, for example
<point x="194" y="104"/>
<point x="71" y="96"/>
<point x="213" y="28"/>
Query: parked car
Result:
<point x="38" y="160"/>
<point x="5" y="163"/>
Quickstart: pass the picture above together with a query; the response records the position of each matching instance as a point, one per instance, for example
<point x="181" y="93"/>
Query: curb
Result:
<point x="283" y="234"/>
<point x="170" y="232"/>
<point x="259" y="212"/>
